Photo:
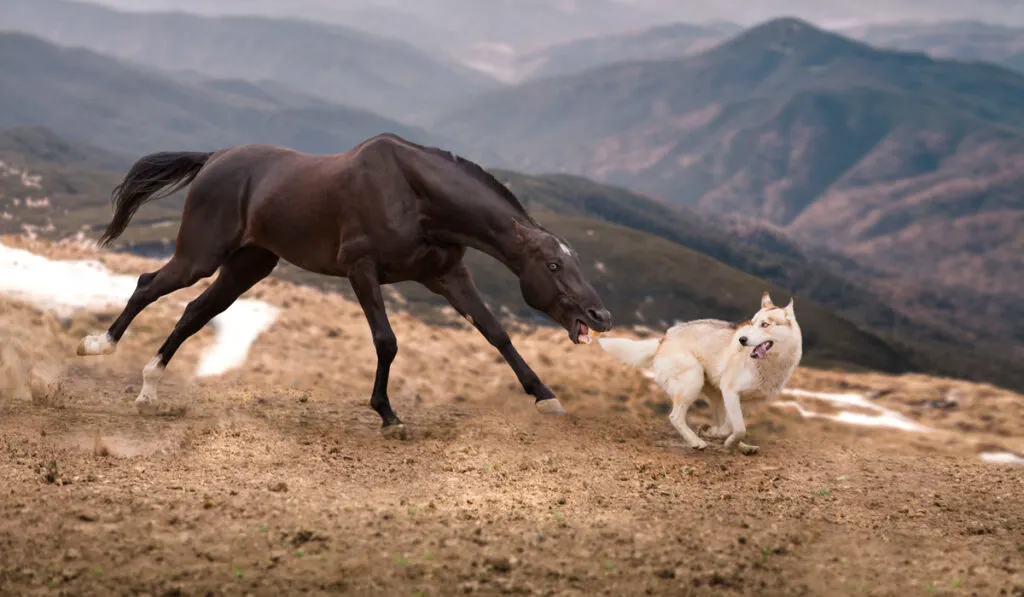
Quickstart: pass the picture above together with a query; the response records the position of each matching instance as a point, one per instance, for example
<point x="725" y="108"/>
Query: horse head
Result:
<point x="552" y="281"/>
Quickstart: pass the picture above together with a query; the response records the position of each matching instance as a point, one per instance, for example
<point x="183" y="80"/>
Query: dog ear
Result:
<point x="789" y="309"/>
<point x="766" y="301"/>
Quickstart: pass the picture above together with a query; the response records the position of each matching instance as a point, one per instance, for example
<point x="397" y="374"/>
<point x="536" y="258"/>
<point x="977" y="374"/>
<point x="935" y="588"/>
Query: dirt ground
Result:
<point x="274" y="479"/>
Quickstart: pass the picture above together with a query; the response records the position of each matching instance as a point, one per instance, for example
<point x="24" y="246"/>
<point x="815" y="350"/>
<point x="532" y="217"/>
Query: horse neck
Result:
<point x="489" y="227"/>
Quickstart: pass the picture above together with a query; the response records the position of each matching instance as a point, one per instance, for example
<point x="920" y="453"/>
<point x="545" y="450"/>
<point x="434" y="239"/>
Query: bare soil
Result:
<point x="274" y="479"/>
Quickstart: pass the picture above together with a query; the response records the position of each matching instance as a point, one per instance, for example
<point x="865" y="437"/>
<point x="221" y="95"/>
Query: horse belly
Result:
<point x="311" y="241"/>
<point x="419" y="262"/>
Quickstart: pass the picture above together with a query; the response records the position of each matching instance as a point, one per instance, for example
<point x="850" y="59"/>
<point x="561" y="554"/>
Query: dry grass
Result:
<point x="274" y="479"/>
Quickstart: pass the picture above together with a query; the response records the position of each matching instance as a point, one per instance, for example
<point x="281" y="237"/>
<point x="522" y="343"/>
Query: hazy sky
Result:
<point x="460" y="25"/>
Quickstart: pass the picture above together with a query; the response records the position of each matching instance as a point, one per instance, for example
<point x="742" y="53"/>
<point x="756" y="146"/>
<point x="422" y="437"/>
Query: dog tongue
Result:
<point x="761" y="350"/>
<point x="584" y="336"/>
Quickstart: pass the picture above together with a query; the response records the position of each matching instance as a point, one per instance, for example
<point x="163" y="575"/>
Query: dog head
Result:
<point x="772" y="330"/>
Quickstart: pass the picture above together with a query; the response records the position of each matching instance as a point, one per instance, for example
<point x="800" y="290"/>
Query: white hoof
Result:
<point x="147" y="400"/>
<point x="550" y="407"/>
<point x="397" y="431"/>
<point x="146" y="404"/>
<point x="700" y="445"/>
<point x="96" y="345"/>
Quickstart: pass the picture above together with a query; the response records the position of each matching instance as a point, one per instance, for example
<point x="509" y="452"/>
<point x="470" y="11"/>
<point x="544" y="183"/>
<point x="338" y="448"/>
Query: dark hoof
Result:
<point x="551" y="406"/>
<point x="395" y="431"/>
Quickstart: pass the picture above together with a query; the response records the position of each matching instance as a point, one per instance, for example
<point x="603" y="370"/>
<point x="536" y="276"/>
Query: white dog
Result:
<point x="721" y="361"/>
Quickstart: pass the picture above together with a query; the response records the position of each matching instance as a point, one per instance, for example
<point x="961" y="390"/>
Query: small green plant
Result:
<point x="411" y="512"/>
<point x="765" y="552"/>
<point x="402" y="561"/>
<point x="559" y="517"/>
<point x="823" y="492"/>
<point x="608" y="565"/>
<point x="428" y="555"/>
<point x="300" y="552"/>
<point x="99" y="570"/>
<point x="264" y="528"/>
<point x="933" y="589"/>
<point x="958" y="583"/>
<point x="238" y="572"/>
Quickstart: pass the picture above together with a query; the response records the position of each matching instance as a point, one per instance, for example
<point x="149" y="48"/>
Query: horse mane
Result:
<point x="478" y="173"/>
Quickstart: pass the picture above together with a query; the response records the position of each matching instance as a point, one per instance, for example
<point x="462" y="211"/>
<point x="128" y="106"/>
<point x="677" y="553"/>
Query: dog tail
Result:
<point x="635" y="353"/>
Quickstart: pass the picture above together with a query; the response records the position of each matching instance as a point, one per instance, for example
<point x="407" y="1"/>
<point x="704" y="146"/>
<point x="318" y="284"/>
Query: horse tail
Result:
<point x="167" y="171"/>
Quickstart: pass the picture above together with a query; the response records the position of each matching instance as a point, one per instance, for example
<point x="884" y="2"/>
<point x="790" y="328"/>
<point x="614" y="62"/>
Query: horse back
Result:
<point x="320" y="212"/>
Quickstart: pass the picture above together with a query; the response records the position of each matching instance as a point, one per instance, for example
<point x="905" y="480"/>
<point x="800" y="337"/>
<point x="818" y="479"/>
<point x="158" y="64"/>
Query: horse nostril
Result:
<point x="743" y="340"/>
<point x="596" y="315"/>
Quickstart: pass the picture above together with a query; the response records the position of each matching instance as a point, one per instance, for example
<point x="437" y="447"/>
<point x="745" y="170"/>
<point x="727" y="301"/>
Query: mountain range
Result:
<point x="340" y="64"/>
<point x="121" y="107"/>
<point x="654" y="264"/>
<point x="57" y="189"/>
<point x="875" y="185"/>
<point x="907" y="163"/>
<point x="961" y="40"/>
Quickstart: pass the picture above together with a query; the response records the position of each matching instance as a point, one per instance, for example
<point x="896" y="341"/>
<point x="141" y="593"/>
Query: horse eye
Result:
<point x="764" y="324"/>
<point x="553" y="266"/>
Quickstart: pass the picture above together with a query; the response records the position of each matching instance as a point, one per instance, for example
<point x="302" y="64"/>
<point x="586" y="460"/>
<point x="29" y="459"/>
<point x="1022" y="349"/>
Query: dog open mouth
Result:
<point x="580" y="333"/>
<point x="761" y="350"/>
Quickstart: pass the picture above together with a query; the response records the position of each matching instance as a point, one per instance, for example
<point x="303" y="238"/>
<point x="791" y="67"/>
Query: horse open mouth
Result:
<point x="580" y="333"/>
<point x="761" y="350"/>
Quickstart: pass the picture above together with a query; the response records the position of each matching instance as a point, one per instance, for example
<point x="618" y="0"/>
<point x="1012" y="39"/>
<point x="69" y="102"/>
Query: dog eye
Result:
<point x="553" y="267"/>
<point x="765" y="324"/>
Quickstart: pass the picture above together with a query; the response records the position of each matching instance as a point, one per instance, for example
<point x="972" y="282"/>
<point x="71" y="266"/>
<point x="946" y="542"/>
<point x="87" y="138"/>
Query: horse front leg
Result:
<point x="458" y="288"/>
<point x="366" y="285"/>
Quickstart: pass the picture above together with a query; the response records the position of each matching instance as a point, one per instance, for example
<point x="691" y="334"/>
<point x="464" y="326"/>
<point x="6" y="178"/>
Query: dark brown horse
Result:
<point x="385" y="211"/>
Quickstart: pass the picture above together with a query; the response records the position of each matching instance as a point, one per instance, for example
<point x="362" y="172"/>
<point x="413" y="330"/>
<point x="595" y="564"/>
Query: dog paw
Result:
<point x="747" y="449"/>
<point x="699" y="445"/>
<point x="712" y="432"/>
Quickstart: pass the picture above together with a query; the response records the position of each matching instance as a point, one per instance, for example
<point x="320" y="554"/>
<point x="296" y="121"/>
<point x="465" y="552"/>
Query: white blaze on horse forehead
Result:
<point x="565" y="249"/>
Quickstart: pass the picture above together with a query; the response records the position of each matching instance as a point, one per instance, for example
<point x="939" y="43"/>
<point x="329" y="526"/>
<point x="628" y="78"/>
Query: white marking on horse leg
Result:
<point x="150" y="379"/>
<point x="98" y="344"/>
<point x="550" y="407"/>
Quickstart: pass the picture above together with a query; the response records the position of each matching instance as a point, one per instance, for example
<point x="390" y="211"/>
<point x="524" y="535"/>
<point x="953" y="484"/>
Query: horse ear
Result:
<point x="522" y="234"/>
<point x="766" y="301"/>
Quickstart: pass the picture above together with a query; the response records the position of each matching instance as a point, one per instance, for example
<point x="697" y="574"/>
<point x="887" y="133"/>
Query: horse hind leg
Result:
<point x="176" y="274"/>
<point x="205" y="238"/>
<point x="240" y="272"/>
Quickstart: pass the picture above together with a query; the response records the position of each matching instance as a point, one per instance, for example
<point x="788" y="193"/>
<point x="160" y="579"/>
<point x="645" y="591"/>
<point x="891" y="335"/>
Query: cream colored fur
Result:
<point x="706" y="358"/>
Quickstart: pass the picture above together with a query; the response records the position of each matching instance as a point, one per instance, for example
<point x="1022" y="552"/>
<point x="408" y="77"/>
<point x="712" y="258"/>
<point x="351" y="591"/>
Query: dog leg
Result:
<point x="719" y="429"/>
<point x="682" y="378"/>
<point x="734" y="416"/>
